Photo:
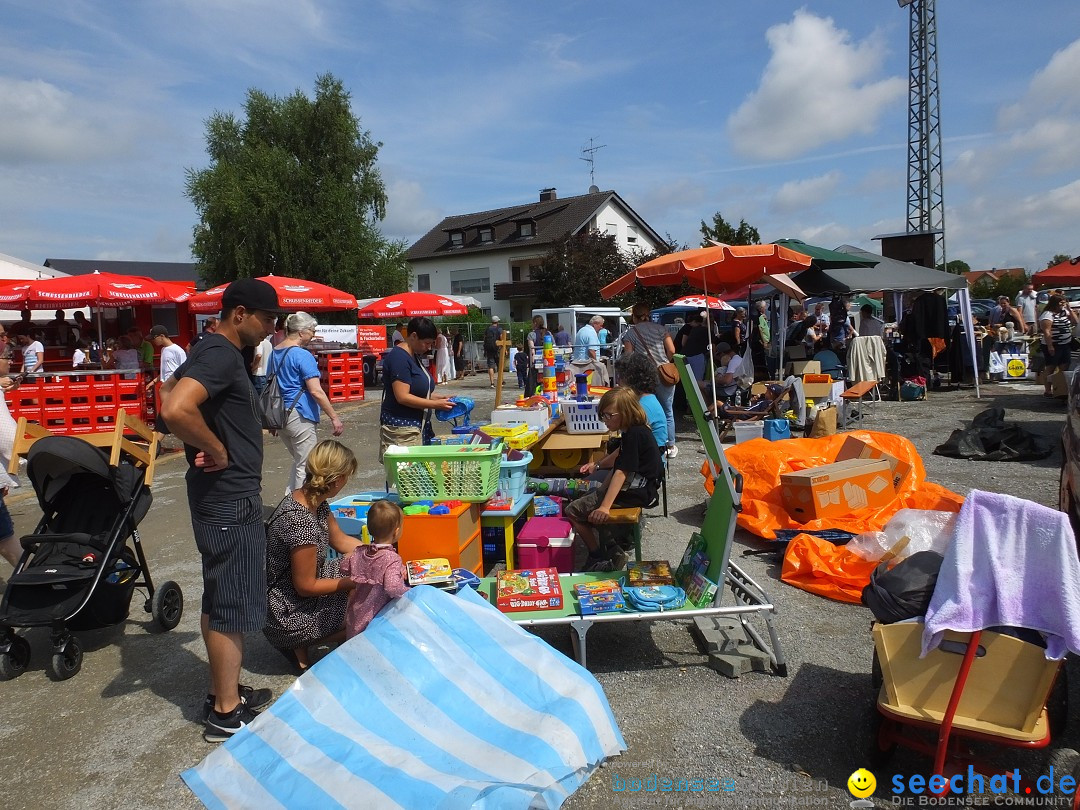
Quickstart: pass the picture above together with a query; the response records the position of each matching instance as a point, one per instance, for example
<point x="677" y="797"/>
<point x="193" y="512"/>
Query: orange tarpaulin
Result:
<point x="818" y="566"/>
<point x="762" y="462"/>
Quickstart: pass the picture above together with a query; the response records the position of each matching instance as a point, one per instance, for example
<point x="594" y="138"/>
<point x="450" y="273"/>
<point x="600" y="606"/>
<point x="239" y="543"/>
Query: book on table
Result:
<point x="528" y="589"/>
<point x="690" y="575"/>
<point x="435" y="571"/>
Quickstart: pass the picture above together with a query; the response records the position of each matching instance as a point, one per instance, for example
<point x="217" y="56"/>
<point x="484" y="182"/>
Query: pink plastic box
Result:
<point x="546" y="542"/>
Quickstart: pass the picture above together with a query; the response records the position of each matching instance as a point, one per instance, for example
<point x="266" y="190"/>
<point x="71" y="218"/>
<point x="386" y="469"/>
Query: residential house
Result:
<point x="491" y="255"/>
<point x="975" y="276"/>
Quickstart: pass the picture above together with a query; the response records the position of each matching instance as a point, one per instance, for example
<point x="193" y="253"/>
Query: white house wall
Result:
<point x="611" y="219"/>
<point x="492" y="265"/>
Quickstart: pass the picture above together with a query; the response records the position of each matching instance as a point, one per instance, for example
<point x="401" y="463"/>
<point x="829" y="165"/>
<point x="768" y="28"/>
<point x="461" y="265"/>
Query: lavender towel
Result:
<point x="1013" y="563"/>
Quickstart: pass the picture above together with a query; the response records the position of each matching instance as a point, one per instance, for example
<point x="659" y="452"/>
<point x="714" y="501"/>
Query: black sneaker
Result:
<point x="256" y="700"/>
<point x="220" y="727"/>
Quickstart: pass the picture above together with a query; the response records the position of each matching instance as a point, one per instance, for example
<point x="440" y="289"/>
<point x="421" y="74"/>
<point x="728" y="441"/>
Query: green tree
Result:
<point x="293" y="189"/>
<point x="722" y="231"/>
<point x="956" y="266"/>
<point x="577" y="266"/>
<point x="1058" y="259"/>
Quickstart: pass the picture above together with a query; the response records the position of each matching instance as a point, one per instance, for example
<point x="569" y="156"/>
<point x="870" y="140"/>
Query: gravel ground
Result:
<point x="121" y="731"/>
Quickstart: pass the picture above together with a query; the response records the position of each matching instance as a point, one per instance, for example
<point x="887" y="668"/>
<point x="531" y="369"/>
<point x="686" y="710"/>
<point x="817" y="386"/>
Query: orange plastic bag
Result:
<point x="818" y="566"/>
<point x="762" y="463"/>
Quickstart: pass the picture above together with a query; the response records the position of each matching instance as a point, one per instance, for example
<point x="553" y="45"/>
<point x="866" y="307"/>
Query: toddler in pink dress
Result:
<point x="377" y="569"/>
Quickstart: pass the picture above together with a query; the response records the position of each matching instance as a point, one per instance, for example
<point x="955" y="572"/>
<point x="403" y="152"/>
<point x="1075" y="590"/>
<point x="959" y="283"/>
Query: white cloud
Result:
<point x="409" y="215"/>
<point x="798" y="195"/>
<point x="816" y="89"/>
<point x="1054" y="88"/>
<point x="44" y="123"/>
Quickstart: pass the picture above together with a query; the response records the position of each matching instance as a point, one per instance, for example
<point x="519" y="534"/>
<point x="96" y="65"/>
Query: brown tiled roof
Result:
<point x="553" y="220"/>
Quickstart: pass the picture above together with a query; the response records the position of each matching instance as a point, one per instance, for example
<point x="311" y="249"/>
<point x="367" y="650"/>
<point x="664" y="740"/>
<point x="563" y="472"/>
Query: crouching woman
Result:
<point x="306" y="594"/>
<point x="635" y="477"/>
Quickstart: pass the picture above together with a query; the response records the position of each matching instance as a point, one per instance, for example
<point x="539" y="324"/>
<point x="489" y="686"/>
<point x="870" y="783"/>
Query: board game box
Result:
<point x="434" y="571"/>
<point x="528" y="589"/>
<point x="602" y="586"/>
<point x="650" y="572"/>
<point x="591" y="604"/>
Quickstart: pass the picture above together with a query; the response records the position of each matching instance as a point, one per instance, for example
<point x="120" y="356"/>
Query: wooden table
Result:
<point x="558" y="452"/>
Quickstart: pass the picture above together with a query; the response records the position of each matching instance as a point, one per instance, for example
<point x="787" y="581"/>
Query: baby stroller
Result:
<point x="77" y="571"/>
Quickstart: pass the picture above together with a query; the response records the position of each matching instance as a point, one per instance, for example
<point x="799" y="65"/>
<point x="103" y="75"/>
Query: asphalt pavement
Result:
<point x="120" y="732"/>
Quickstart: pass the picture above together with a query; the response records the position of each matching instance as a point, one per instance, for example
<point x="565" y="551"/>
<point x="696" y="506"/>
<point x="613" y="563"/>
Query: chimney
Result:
<point x="547" y="195"/>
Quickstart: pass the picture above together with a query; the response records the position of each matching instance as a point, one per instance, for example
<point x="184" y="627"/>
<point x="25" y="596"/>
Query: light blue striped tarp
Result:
<point x="440" y="703"/>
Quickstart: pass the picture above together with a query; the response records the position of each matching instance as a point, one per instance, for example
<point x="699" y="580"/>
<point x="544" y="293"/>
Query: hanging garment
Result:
<point x="866" y="359"/>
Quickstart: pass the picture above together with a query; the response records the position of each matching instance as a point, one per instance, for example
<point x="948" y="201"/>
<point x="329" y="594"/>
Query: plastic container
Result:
<point x="506" y="431"/>
<point x="536" y="418"/>
<point x="514" y="475"/>
<point x="356" y="506"/>
<point x="467" y="473"/>
<point x="582" y="417"/>
<point x="546" y="542"/>
<point x="524" y="441"/>
<point x="745" y="431"/>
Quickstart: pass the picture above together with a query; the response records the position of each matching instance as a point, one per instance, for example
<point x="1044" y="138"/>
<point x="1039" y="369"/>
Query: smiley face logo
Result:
<point x="861" y="783"/>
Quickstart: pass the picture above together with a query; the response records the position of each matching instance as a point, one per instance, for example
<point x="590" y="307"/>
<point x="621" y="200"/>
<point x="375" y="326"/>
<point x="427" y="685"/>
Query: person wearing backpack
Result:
<point x="491" y="348"/>
<point x="298" y="378"/>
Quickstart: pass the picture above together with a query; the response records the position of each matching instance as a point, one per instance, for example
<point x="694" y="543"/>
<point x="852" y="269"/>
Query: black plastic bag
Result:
<point x="904" y="591"/>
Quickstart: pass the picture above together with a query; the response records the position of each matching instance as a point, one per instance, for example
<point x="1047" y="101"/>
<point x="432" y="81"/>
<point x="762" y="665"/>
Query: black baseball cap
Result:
<point x="722" y="348"/>
<point x="251" y="294"/>
<point x="159" y="331"/>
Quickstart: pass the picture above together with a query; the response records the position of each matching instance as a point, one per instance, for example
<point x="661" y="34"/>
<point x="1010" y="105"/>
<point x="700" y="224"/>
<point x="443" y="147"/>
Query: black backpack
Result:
<point x="271" y="402"/>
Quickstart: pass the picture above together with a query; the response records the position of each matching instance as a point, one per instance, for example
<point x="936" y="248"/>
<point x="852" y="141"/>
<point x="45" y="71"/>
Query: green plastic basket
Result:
<point x="445" y="473"/>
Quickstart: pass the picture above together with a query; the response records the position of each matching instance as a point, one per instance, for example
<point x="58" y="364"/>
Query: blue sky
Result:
<point x="790" y="115"/>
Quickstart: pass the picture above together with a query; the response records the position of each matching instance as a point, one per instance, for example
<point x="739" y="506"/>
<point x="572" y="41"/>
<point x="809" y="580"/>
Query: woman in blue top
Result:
<point x="408" y="389"/>
<point x="298" y="378"/>
<point x="636" y="371"/>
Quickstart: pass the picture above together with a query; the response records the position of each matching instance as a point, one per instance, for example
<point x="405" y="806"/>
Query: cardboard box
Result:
<point x="837" y="489"/>
<point x="816" y="386"/>
<point x="800" y="367"/>
<point x="855" y="448"/>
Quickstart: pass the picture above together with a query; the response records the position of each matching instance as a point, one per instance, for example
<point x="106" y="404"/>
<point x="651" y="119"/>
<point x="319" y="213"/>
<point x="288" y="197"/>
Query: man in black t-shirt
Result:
<point x="209" y="403"/>
<point x="492" y="335"/>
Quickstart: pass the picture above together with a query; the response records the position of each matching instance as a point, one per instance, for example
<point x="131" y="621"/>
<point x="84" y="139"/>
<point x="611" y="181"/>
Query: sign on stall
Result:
<point x="336" y="333"/>
<point x="371" y="339"/>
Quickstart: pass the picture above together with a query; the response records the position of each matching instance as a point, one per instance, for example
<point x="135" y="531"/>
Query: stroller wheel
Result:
<point x="167" y="606"/>
<point x="14" y="663"/>
<point x="66" y="664"/>
<point x="1063" y="762"/>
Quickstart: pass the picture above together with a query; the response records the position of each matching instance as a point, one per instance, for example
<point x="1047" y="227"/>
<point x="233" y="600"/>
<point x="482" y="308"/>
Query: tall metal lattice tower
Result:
<point x="925" y="196"/>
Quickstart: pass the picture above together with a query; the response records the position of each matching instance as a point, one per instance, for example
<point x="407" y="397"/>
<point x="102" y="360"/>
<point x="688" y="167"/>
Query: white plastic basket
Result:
<point x="582" y="417"/>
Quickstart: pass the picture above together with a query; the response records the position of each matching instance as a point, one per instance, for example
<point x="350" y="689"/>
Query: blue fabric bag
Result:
<point x="776" y="429"/>
<point x="654" y="598"/>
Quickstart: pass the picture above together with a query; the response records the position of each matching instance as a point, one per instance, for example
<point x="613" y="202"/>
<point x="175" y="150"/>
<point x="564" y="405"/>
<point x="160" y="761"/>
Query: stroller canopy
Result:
<point x="53" y="461"/>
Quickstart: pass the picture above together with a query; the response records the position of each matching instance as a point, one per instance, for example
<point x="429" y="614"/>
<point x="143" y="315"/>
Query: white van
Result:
<point x="576" y="316"/>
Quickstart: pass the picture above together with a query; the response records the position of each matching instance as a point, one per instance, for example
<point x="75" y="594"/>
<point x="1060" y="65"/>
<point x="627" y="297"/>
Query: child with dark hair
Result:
<point x="521" y="365"/>
<point x="376" y="570"/>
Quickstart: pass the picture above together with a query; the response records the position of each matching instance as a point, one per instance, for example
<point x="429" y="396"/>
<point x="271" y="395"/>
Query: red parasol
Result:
<point x="413" y="304"/>
<point x="1065" y="274"/>
<point x="701" y="302"/>
<point x="93" y="289"/>
<point x="294" y="294"/>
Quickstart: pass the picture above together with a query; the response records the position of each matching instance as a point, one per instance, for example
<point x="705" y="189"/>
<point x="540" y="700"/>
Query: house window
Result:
<point x="515" y="273"/>
<point x="631" y="234"/>
<point x="423" y="282"/>
<point x="487" y="234"/>
<point x="611" y="229"/>
<point x="457" y="238"/>
<point x="467" y="286"/>
<point x="526" y="229"/>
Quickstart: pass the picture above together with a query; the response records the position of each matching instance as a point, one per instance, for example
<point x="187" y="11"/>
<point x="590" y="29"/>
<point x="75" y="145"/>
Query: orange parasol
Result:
<point x="716" y="268"/>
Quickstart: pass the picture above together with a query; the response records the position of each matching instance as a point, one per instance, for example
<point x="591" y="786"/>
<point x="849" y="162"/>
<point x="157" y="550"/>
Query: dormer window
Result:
<point x="526" y="230"/>
<point x="487" y="234"/>
<point x="457" y="239"/>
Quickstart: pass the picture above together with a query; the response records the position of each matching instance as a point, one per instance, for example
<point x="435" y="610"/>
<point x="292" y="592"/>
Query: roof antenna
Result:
<point x="590" y="158"/>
